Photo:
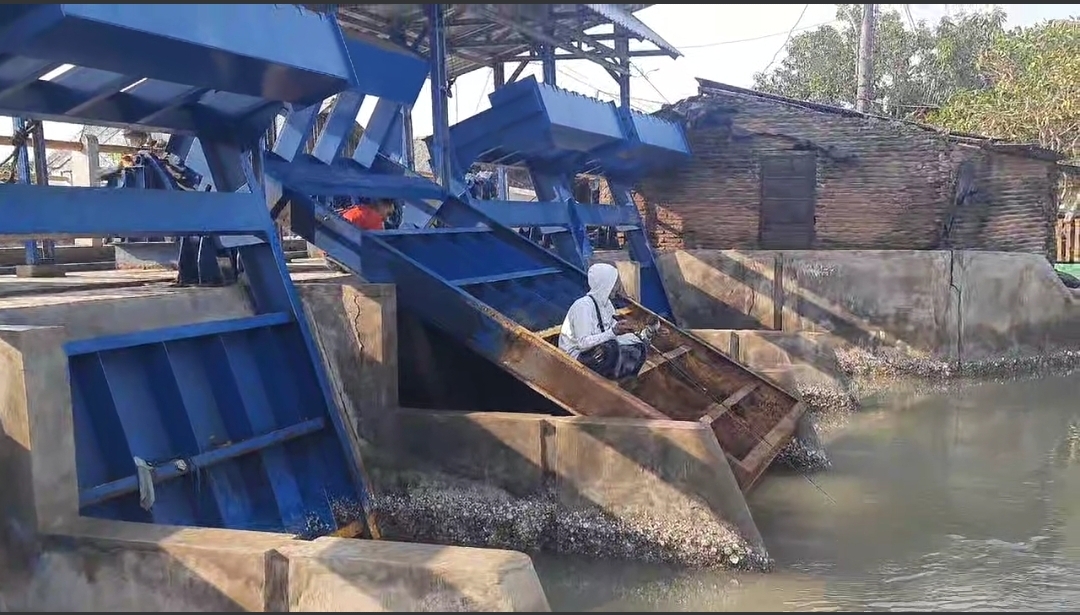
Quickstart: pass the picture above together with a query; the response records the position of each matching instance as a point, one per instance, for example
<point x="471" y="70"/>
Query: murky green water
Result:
<point x="965" y="501"/>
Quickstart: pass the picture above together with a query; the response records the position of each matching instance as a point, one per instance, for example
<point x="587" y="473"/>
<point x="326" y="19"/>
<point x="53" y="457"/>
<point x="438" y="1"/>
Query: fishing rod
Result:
<point x="689" y="379"/>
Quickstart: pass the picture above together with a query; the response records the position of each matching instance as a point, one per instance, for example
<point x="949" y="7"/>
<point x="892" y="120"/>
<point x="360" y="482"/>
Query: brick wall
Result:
<point x="880" y="184"/>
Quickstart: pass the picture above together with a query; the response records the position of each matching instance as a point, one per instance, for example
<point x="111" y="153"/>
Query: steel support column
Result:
<point x="622" y="51"/>
<point x="547" y="63"/>
<point x="46" y="248"/>
<point x="498" y="72"/>
<point x="407" y="137"/>
<point x="21" y="174"/>
<point x="440" y="112"/>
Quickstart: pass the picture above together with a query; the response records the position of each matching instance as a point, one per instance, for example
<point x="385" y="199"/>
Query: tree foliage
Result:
<point x="1033" y="91"/>
<point x="916" y="65"/>
<point x="1032" y="96"/>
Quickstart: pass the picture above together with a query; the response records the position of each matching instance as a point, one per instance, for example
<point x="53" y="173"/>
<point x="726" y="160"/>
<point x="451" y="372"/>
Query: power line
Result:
<point x="584" y="80"/>
<point x="649" y="81"/>
<point x="787" y="39"/>
<point x="479" y="99"/>
<point x="911" y="21"/>
<point x="562" y="71"/>
<point x="758" y="38"/>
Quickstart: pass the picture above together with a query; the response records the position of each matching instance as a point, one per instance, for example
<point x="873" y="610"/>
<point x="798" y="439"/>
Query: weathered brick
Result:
<point x="881" y="184"/>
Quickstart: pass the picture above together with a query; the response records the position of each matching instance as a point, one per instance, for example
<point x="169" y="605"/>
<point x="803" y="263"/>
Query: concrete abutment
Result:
<point x="812" y="321"/>
<point x="117" y="566"/>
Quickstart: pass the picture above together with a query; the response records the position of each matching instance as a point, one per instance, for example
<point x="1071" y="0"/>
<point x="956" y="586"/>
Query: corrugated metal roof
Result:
<point x="615" y="14"/>
<point x="481" y="34"/>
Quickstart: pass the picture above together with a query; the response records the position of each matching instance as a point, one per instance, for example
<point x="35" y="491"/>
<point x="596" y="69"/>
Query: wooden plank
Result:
<point x="715" y="411"/>
<point x="666" y="357"/>
<point x="1064" y="241"/>
<point x="1074" y="245"/>
<point x="755" y="463"/>
<point x="1059" y="229"/>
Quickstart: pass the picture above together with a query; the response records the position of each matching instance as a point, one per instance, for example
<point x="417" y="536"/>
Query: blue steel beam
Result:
<point x="182" y="394"/>
<point x="338" y="127"/>
<point x="557" y="134"/>
<point x="345" y="178"/>
<point x="441" y="162"/>
<point x="32" y="211"/>
<point x="128" y="69"/>
<point x="294" y="55"/>
<point x="386" y="71"/>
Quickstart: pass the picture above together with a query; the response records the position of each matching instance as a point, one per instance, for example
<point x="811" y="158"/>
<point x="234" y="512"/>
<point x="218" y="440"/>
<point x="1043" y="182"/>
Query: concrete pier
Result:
<point x="911" y="310"/>
<point x="520" y="481"/>
<point x="837" y="326"/>
<point x="115" y="566"/>
<point x="637" y="489"/>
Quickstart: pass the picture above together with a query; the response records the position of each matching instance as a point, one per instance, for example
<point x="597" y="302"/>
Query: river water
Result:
<point x="967" y="500"/>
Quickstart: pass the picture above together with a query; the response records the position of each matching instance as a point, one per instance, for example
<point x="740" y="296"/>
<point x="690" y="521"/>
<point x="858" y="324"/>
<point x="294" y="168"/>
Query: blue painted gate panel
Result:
<point x="517" y="278"/>
<point x="224" y="424"/>
<point x="236" y="429"/>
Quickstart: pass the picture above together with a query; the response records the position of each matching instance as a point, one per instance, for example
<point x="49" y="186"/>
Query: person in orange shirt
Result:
<point x="368" y="216"/>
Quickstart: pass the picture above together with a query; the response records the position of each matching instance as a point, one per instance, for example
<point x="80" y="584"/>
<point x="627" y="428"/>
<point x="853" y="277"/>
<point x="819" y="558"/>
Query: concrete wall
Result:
<point x="355" y="327"/>
<point x="880" y="184"/>
<point x="632" y="476"/>
<point x="797" y="360"/>
<point x="949" y="305"/>
<point x="634" y="470"/>
<point x="52" y="559"/>
<point x="124" y="310"/>
<point x="64" y="254"/>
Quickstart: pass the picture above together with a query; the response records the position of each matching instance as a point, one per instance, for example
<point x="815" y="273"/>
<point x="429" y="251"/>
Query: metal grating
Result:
<point x="521" y="284"/>
<point x="236" y="430"/>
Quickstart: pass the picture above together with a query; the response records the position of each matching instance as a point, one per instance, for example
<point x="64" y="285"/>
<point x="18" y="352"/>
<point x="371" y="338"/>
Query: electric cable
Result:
<point x="755" y="38"/>
<point x="787" y="39"/>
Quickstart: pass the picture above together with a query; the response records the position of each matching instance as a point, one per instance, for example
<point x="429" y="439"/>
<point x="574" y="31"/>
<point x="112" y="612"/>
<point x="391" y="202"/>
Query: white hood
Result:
<point x="602" y="280"/>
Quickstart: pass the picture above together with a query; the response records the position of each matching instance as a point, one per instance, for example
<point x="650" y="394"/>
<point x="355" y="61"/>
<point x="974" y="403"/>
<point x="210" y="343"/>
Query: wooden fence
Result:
<point x="1068" y="241"/>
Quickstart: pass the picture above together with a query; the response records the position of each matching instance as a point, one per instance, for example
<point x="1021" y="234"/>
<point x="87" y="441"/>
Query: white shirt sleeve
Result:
<point x="584" y="327"/>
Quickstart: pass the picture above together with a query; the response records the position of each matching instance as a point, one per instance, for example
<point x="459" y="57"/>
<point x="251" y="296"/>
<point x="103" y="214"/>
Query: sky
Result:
<point x="722" y="42"/>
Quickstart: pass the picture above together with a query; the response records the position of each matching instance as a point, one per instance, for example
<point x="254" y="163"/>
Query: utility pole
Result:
<point x="865" y="67"/>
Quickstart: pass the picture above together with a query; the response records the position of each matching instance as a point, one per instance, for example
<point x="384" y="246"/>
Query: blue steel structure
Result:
<point x="505" y="296"/>
<point x="232" y="422"/>
<point x="477" y="279"/>
<point x="556" y="135"/>
<point x="38" y="252"/>
<point x="585" y="133"/>
<point x="197" y="260"/>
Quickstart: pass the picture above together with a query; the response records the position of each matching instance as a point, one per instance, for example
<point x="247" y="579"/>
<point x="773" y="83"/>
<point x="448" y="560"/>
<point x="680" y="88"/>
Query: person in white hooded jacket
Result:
<point x="591" y="334"/>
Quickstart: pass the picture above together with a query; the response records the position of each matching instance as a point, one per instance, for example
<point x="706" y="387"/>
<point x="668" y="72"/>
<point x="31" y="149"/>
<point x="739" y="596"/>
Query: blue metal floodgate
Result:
<point x="503" y="296"/>
<point x="208" y="404"/>
<point x="227" y="423"/>
<point x="480" y="281"/>
<point x="556" y="135"/>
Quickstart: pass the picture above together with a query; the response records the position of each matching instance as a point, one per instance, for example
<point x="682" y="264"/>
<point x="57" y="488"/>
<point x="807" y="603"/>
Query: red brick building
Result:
<point x="775" y="173"/>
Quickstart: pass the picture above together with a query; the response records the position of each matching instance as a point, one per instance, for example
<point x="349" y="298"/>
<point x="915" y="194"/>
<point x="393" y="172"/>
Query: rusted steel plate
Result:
<point x="683" y="379"/>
